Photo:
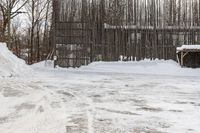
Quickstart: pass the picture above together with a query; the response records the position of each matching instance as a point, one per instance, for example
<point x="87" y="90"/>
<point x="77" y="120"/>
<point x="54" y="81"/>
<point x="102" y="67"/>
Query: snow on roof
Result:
<point x="188" y="47"/>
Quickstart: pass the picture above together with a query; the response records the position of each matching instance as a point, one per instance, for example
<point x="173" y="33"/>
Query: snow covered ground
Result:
<point x="132" y="97"/>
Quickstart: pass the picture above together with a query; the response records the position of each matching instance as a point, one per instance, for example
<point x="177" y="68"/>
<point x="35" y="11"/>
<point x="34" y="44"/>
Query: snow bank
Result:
<point x="151" y="67"/>
<point x="11" y="65"/>
<point x="156" y="67"/>
<point x="49" y="64"/>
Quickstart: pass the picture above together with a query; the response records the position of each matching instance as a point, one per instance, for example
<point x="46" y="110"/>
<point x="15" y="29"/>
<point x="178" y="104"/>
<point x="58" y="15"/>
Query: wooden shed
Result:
<point x="189" y="56"/>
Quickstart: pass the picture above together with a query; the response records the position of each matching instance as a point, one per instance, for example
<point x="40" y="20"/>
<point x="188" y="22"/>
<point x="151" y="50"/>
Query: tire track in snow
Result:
<point x="89" y="111"/>
<point x="90" y="115"/>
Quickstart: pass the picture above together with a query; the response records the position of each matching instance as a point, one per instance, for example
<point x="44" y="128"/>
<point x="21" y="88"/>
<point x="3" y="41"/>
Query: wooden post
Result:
<point x="54" y="17"/>
<point x="181" y="58"/>
<point x="177" y="58"/>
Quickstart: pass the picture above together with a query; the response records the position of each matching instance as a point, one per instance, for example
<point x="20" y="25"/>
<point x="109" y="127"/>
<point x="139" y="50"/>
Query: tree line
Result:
<point x="25" y="26"/>
<point x="158" y="13"/>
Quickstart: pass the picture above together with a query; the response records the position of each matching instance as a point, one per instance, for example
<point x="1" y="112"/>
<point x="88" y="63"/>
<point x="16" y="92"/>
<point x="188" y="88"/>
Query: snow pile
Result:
<point x="155" y="67"/>
<point x="150" y="67"/>
<point x="11" y="65"/>
<point x="188" y="47"/>
<point x="48" y="64"/>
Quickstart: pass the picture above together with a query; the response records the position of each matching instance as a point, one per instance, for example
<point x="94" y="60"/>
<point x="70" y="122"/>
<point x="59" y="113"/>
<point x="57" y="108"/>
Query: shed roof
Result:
<point x="189" y="48"/>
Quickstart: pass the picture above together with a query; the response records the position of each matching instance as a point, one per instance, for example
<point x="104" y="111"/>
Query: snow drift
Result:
<point x="144" y="67"/>
<point x="153" y="67"/>
<point x="11" y="65"/>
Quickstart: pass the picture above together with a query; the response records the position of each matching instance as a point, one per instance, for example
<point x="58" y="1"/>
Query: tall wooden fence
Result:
<point x="91" y="30"/>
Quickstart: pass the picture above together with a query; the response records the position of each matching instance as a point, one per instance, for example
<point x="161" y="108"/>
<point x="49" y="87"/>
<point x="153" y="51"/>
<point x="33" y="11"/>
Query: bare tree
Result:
<point x="37" y="14"/>
<point x="1" y="27"/>
<point x="10" y="9"/>
<point x="16" y="38"/>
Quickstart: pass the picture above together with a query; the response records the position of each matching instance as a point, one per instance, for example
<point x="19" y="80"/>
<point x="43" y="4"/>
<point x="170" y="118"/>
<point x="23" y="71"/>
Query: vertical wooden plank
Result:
<point x="181" y="58"/>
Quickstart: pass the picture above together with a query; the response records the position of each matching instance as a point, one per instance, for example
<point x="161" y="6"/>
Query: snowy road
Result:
<point x="59" y="101"/>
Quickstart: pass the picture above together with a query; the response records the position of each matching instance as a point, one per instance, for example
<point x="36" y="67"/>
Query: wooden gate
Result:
<point x="73" y="44"/>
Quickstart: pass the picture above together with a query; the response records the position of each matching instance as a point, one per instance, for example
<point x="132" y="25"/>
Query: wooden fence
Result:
<point x="91" y="30"/>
